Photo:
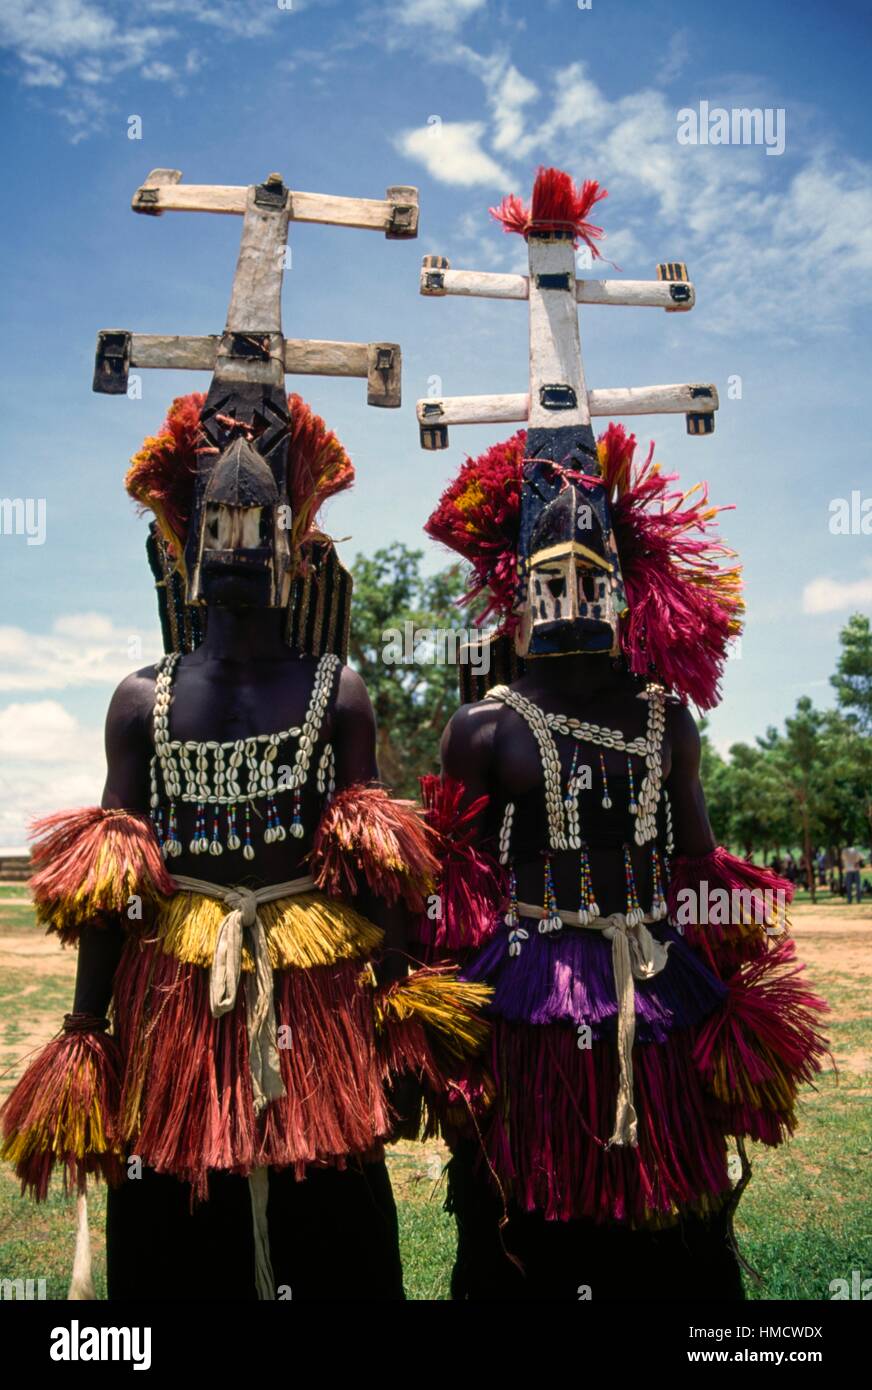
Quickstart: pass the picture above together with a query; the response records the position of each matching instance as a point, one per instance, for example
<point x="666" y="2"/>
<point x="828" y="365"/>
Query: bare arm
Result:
<point x="692" y="832"/>
<point x="128" y="750"/>
<point x="354" y="732"/>
<point x="354" y="751"/>
<point x="468" y="752"/>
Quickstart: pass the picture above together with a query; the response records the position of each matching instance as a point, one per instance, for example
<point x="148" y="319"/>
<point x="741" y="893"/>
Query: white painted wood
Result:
<point x="162" y="176"/>
<point x="176" y="353"/>
<point x="256" y="299"/>
<point x="654" y="400"/>
<point x="642" y="294"/>
<point x="255" y="302"/>
<point x="555" y="346"/>
<point x="514" y="409"/>
<point x="194" y="197"/>
<point x="480" y="284"/>
<point x="298" y="357"/>
<point x="372" y="214"/>
<point x="320" y="357"/>
<point x="473" y="410"/>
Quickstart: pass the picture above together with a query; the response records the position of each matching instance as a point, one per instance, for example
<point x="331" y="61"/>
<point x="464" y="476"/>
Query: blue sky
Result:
<point x="463" y="98"/>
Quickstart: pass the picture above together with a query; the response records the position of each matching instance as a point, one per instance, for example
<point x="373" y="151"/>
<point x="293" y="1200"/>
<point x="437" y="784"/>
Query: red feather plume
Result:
<point x="162" y="472"/>
<point x="558" y="205"/>
<point x="478" y="516"/>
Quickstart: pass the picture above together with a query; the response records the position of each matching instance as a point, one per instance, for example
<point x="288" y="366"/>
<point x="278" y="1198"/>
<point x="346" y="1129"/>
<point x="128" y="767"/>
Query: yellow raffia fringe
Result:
<point x="777" y="1093"/>
<point x="444" y="1004"/>
<point x="305" y="930"/>
<point x="108" y="890"/>
<point x="67" y="1135"/>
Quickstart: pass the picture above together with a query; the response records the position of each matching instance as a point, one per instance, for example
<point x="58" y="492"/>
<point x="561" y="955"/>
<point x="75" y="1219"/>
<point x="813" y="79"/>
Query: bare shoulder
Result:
<point x="132" y="703"/>
<point x="470" y="735"/>
<point x="683" y="734"/>
<point x="352" y="696"/>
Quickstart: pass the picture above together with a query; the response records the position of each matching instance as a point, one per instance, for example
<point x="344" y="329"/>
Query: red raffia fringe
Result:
<point x="757" y="1049"/>
<point x="685" y="603"/>
<point x="547" y="1133"/>
<point x="558" y="205"/>
<point x="64" y="1111"/>
<point x="187" y="1105"/>
<point x="92" y="861"/>
<point x="757" y="910"/>
<point x="470" y="881"/>
<point x="366" y="834"/>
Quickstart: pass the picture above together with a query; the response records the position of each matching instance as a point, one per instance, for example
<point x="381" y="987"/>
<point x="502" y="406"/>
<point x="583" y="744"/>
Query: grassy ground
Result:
<point x="803" y="1222"/>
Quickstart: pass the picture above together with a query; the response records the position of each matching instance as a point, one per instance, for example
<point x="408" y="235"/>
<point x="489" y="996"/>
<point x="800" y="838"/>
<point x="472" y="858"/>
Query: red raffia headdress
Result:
<point x="558" y="205"/>
<point x="685" y="603"/>
<point x="162" y="473"/>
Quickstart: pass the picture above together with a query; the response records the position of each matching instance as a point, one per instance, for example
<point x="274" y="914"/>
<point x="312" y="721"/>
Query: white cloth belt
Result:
<point x="636" y="955"/>
<point x="226" y="969"/>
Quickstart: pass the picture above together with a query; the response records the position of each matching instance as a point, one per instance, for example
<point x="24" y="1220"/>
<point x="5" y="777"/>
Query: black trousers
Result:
<point x="333" y="1236"/>
<point x="535" y="1259"/>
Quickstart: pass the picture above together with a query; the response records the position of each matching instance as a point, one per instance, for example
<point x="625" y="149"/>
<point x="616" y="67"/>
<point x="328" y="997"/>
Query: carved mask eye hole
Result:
<point x="251" y="528"/>
<point x="557" y="586"/>
<point x="234" y="528"/>
<point x="212" y="534"/>
<point x="588" y="585"/>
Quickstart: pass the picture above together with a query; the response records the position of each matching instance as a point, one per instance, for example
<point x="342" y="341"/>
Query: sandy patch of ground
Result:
<point x="42" y="955"/>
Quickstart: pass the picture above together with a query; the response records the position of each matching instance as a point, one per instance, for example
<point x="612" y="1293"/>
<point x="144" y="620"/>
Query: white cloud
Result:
<point x="82" y="45"/>
<point x="158" y="72"/>
<point x="49" y="761"/>
<point x="81" y="649"/>
<point x="39" y="72"/>
<point x="675" y="58"/>
<point x="509" y="92"/>
<point x="445" y="15"/>
<point x="41" y="731"/>
<point x="451" y="152"/>
<point x="825" y="595"/>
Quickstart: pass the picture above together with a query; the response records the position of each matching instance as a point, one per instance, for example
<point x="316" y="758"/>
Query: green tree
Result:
<point x="800" y="755"/>
<point x="714" y="775"/>
<point x="759" y="810"/>
<point x="852" y="680"/>
<point x="844" y="804"/>
<point x="853" y="686"/>
<point x="415" y="696"/>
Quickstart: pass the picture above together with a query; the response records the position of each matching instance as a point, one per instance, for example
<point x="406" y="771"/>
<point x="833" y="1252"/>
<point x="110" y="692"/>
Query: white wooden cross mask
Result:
<point x="252" y="346"/>
<point x="558" y="399"/>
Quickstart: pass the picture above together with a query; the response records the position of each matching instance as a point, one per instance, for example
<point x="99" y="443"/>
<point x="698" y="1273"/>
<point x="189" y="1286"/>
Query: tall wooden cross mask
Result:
<point x="252" y="348"/>
<point x="558" y="406"/>
<point x="248" y="361"/>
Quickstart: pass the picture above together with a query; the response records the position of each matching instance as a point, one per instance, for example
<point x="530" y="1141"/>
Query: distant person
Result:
<point x="776" y="864"/>
<point x="852" y="860"/>
<point x="790" y="869"/>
